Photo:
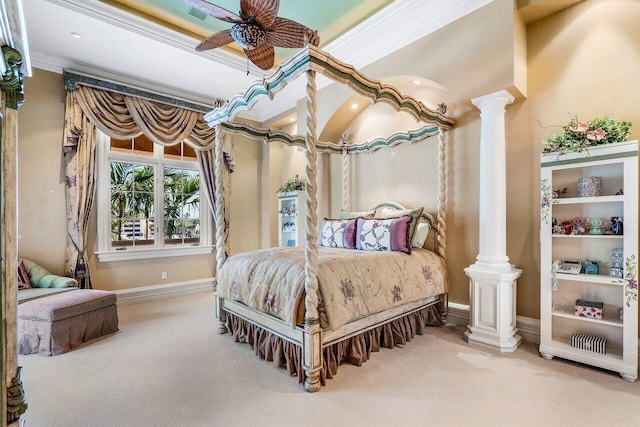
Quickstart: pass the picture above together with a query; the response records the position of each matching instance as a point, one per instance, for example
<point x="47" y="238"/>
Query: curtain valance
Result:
<point x="122" y="116"/>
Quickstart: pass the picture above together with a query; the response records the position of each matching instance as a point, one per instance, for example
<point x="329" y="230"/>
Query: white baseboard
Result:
<point x="165" y="290"/>
<point x="528" y="328"/>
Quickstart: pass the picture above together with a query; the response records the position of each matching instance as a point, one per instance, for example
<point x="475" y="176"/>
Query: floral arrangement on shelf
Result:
<point x="579" y="135"/>
<point x="292" y="184"/>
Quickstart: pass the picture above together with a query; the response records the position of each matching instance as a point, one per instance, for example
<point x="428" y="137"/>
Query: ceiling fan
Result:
<point x="257" y="29"/>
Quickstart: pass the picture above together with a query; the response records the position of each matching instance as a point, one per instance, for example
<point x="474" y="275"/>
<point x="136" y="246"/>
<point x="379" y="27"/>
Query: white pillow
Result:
<point x="420" y="236"/>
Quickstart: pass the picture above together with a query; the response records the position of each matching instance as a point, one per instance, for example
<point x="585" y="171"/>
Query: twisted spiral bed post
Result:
<point x="442" y="214"/>
<point x="312" y="347"/>
<point x="346" y="173"/>
<point x="220" y="217"/>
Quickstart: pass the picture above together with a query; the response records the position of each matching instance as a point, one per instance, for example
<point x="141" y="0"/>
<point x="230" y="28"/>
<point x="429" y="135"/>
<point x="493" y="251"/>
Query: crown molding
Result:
<point x="370" y="41"/>
<point x="378" y="36"/>
<point x="143" y="27"/>
<point x="13" y="33"/>
<point x="58" y="66"/>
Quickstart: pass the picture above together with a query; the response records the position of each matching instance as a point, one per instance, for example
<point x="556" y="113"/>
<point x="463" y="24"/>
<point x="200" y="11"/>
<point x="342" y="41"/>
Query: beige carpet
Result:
<point x="168" y="367"/>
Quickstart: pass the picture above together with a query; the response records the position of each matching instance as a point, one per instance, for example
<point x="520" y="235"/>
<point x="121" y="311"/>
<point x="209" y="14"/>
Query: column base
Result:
<point x="507" y="345"/>
<point x="492" y="302"/>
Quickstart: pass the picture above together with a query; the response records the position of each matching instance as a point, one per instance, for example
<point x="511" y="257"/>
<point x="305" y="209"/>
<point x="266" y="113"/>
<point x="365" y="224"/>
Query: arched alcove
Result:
<point x="357" y="112"/>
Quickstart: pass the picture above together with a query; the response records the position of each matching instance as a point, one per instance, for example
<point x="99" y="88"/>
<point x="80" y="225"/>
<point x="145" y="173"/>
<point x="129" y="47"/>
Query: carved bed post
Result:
<point x="312" y="340"/>
<point x="346" y="173"/>
<point x="221" y="225"/>
<point x="442" y="214"/>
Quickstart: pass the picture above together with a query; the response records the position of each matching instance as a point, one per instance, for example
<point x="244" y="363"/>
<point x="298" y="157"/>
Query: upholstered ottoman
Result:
<point x="57" y="323"/>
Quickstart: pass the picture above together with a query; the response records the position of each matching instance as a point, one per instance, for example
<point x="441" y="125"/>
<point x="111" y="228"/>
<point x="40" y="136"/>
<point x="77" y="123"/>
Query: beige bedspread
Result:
<point x="353" y="284"/>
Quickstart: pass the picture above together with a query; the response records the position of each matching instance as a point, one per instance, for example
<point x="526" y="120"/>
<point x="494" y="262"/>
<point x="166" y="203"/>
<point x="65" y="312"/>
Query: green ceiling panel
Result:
<point x="331" y="18"/>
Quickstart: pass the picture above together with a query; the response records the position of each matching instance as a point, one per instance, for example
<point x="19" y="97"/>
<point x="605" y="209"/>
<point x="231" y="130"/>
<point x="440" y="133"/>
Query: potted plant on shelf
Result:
<point x="578" y="135"/>
<point x="292" y="184"/>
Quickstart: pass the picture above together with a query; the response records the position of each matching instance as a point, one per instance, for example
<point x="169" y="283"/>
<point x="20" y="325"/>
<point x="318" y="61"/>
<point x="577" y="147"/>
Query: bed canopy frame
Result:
<point x="310" y="61"/>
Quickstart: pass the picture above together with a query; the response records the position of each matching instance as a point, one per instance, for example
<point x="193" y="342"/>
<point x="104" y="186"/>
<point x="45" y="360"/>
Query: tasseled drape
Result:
<point x="120" y="117"/>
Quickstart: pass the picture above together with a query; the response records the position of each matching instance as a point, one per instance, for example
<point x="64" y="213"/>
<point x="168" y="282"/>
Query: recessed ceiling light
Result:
<point x="354" y="106"/>
<point x="417" y="82"/>
<point x="76" y="35"/>
<point x="292" y="119"/>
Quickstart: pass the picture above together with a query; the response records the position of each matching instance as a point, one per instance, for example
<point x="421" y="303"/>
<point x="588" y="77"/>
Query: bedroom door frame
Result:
<point x="12" y="398"/>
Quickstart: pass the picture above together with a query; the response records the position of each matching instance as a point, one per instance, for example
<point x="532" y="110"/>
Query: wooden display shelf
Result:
<point x="604" y="321"/>
<point x="588" y="236"/>
<point x="580" y="200"/>
<point x="591" y="278"/>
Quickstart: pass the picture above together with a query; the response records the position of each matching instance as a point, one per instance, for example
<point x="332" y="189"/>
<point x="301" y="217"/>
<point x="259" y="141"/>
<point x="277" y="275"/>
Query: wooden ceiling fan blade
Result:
<point x="263" y="56"/>
<point x="213" y="10"/>
<point x="265" y="11"/>
<point x="287" y="33"/>
<point x="218" y="39"/>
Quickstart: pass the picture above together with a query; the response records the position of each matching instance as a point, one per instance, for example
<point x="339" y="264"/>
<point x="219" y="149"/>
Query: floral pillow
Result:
<point x="390" y="234"/>
<point x="338" y="233"/>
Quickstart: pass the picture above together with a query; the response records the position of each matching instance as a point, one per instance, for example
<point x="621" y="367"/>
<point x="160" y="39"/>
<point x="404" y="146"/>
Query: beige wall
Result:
<point x="245" y="212"/>
<point x="41" y="207"/>
<point x="473" y="56"/>
<point x="576" y="61"/>
<point x="42" y="204"/>
<point x="581" y="61"/>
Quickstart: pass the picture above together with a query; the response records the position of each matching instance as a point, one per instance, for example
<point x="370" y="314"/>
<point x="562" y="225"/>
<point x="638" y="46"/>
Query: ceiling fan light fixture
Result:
<point x="257" y="29"/>
<point x="248" y="36"/>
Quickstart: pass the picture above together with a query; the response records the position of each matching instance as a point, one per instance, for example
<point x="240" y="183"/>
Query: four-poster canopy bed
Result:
<point x="327" y="327"/>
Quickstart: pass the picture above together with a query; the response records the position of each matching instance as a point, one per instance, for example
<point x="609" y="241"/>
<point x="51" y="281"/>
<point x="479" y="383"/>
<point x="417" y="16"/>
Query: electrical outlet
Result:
<point x="164" y="275"/>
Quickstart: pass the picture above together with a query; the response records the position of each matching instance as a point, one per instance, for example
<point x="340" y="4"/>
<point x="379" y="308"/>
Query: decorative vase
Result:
<point x="589" y="186"/>
<point x="596" y="226"/>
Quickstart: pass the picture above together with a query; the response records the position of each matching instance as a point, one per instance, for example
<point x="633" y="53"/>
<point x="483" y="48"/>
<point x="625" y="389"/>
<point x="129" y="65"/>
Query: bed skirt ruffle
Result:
<point x="354" y="350"/>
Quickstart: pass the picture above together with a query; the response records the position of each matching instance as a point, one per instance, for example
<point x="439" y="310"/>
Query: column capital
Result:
<point x="12" y="82"/>
<point x="502" y="96"/>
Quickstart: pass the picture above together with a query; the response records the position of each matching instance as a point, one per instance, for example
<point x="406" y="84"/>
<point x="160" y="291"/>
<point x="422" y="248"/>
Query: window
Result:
<point x="150" y="201"/>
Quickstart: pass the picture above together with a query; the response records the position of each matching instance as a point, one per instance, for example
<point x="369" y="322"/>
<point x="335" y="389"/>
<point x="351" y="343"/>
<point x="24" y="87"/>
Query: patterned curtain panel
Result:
<point x="121" y="117"/>
<point x="206" y="161"/>
<point x="79" y="159"/>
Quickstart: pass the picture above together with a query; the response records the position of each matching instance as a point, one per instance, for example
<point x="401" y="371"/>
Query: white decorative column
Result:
<point x="492" y="279"/>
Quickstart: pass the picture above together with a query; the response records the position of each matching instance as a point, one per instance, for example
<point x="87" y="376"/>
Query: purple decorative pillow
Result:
<point x="23" y="276"/>
<point x="338" y="233"/>
<point x="389" y="234"/>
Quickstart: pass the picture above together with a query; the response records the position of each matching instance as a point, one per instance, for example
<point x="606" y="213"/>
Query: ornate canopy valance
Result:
<point x="312" y="58"/>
